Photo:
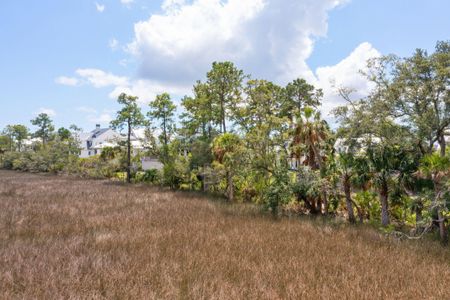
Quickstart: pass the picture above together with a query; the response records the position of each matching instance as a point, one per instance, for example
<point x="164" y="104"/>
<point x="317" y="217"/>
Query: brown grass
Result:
<point x="70" y="238"/>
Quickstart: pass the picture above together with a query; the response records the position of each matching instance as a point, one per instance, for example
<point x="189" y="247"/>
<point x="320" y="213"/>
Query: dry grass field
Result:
<point x="72" y="238"/>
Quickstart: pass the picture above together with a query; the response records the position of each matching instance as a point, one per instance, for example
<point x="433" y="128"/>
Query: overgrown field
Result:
<point x="69" y="238"/>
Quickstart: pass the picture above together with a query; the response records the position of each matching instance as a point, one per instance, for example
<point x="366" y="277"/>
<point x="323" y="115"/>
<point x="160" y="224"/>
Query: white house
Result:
<point x="92" y="143"/>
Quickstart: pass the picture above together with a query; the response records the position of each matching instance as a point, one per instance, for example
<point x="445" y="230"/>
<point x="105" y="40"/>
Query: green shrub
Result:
<point x="151" y="176"/>
<point x="279" y="191"/>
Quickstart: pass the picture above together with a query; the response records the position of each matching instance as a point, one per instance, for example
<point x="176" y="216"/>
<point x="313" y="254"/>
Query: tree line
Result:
<point x="384" y="162"/>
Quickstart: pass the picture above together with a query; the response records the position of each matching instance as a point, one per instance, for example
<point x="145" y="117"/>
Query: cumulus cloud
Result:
<point x="100" y="7"/>
<point x="99" y="78"/>
<point x="345" y="74"/>
<point x="268" y="38"/>
<point x="147" y="90"/>
<point x="64" y="80"/>
<point x="48" y="111"/>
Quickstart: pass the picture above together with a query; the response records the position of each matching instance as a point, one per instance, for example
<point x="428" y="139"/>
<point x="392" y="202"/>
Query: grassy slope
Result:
<point x="62" y="237"/>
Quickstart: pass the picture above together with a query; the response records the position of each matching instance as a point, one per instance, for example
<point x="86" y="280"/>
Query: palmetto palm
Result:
<point x="310" y="138"/>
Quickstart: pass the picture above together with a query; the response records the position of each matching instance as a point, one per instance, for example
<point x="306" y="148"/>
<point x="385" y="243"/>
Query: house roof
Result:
<point x="98" y="132"/>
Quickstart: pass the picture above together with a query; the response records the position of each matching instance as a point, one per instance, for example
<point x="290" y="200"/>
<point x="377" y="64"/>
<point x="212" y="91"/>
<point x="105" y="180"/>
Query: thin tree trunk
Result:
<point x="325" y="204"/>
<point x="222" y="108"/>
<point x="230" y="187"/>
<point x="359" y="212"/>
<point x="348" y="200"/>
<point x="384" y="204"/>
<point x="440" y="218"/>
<point x="442" y="145"/>
<point x="443" y="233"/>
<point x="129" y="154"/>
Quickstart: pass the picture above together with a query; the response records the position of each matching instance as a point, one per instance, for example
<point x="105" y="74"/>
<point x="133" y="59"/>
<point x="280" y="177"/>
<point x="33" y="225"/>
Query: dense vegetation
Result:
<point x="385" y="162"/>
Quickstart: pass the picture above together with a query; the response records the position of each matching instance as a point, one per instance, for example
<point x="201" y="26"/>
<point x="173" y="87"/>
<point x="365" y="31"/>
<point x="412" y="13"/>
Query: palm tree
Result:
<point x="311" y="143"/>
<point x="346" y="170"/>
<point x="310" y="137"/>
<point x="384" y="161"/>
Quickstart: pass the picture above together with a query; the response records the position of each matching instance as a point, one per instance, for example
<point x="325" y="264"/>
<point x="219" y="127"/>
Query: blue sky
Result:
<point x="71" y="58"/>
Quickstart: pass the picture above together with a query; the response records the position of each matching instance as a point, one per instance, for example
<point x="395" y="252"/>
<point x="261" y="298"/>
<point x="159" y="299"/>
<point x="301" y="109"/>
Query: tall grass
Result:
<point x="71" y="238"/>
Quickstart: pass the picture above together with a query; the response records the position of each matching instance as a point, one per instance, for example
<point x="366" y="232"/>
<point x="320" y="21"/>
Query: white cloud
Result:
<point x="126" y="2"/>
<point x="345" y="74"/>
<point x="147" y="90"/>
<point x="268" y="38"/>
<point x="64" y="80"/>
<point x="100" y="7"/>
<point x="99" y="78"/>
<point x="50" y="112"/>
<point x="113" y="44"/>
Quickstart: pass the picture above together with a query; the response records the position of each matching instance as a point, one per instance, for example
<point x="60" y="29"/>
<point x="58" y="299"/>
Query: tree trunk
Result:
<point x="325" y="204"/>
<point x="440" y="218"/>
<point x="222" y="108"/>
<point x="129" y="154"/>
<point x="442" y="228"/>
<point x="384" y="204"/>
<point x="165" y="132"/>
<point x="348" y="200"/>
<point x="442" y="144"/>
<point x="230" y="187"/>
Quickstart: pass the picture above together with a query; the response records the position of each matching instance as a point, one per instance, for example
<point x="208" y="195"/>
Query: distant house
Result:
<point x="92" y="143"/>
<point x="149" y="163"/>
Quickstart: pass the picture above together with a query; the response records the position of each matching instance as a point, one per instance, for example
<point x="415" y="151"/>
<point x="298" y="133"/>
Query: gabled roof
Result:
<point x="98" y="132"/>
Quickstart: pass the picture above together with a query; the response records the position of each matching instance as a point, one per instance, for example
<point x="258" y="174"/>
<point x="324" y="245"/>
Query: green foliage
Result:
<point x="162" y="110"/>
<point x="56" y="157"/>
<point x="299" y="94"/>
<point x="45" y="127"/>
<point x="131" y="117"/>
<point x="64" y="133"/>
<point x="151" y="176"/>
<point x="368" y="202"/>
<point x="172" y="175"/>
<point x="224" y="82"/>
<point x="96" y="167"/>
<point x="279" y="191"/>
<point x="16" y="135"/>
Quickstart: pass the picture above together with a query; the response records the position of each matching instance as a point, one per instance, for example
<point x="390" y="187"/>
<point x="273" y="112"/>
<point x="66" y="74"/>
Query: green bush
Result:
<point x="279" y="191"/>
<point x="151" y="176"/>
